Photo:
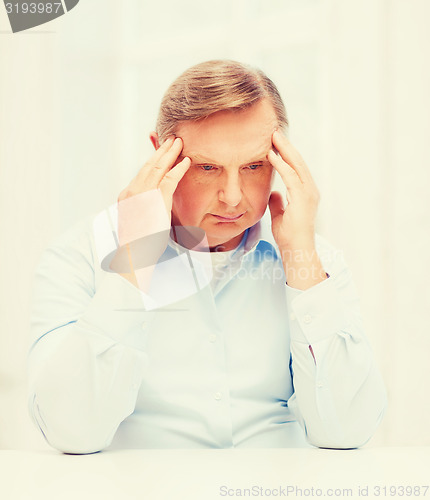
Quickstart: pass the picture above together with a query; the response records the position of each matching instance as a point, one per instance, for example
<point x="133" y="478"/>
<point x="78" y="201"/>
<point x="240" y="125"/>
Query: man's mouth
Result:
<point x="228" y="218"/>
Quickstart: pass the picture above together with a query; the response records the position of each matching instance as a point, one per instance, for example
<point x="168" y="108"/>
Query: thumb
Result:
<point x="276" y="204"/>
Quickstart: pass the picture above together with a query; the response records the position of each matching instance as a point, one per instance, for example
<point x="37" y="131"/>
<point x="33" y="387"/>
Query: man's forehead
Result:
<point x="246" y="156"/>
<point x="230" y="136"/>
<point x="255" y="148"/>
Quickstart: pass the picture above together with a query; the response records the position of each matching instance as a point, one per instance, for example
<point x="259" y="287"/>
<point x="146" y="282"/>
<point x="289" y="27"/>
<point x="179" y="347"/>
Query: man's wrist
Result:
<point x="302" y="266"/>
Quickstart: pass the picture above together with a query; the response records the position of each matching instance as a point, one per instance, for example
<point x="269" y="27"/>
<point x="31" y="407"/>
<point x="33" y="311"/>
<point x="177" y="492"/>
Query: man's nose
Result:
<point x="231" y="191"/>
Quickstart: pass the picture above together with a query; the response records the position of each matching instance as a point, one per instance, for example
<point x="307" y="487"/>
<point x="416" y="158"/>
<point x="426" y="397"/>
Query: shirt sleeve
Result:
<point x="87" y="357"/>
<point x="339" y="396"/>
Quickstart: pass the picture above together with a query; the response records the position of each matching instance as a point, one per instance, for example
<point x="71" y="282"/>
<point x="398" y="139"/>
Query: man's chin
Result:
<point x="224" y="240"/>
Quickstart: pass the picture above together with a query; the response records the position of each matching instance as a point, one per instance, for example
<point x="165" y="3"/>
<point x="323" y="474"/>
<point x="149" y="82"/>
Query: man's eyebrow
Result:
<point x="196" y="158"/>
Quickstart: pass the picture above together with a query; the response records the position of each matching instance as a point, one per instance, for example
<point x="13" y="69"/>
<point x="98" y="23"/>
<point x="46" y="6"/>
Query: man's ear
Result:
<point x="154" y="139"/>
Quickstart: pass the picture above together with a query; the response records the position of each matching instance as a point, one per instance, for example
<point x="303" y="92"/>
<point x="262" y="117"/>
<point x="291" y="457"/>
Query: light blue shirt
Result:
<point x="251" y="363"/>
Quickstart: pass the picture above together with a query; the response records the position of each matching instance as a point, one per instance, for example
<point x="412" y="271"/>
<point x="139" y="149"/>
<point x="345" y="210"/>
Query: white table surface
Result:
<point x="215" y="474"/>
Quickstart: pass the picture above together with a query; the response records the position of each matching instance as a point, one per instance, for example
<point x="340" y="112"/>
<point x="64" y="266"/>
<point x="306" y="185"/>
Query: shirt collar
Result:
<point x="261" y="232"/>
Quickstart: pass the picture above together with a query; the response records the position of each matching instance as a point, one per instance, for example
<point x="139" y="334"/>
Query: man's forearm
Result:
<point x="339" y="393"/>
<point x="302" y="266"/>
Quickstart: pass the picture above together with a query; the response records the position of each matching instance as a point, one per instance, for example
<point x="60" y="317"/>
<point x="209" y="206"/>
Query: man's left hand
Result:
<point x="293" y="226"/>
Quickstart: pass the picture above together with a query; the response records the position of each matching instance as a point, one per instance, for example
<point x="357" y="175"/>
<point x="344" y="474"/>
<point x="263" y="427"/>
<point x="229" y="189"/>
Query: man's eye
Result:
<point x="254" y="166"/>
<point x="207" y="168"/>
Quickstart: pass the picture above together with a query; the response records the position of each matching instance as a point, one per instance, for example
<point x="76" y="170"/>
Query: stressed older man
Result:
<point x="182" y="316"/>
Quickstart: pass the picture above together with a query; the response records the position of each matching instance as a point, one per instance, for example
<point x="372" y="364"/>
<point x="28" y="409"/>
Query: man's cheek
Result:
<point x="185" y="188"/>
<point x="187" y="203"/>
<point x="262" y="193"/>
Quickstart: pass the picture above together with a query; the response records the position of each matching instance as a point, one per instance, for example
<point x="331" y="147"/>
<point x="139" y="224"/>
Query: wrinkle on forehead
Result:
<point x="230" y="137"/>
<point x="234" y="156"/>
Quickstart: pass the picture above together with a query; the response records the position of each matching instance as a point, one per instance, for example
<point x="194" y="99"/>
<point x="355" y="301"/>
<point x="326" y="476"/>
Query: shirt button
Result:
<point x="217" y="396"/>
<point x="212" y="338"/>
<point x="143" y="325"/>
<point x="292" y="316"/>
<point x="307" y="318"/>
<point x="319" y="384"/>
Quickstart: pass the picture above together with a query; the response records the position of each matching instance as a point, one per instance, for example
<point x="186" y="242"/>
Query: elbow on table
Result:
<point x="72" y="431"/>
<point x="340" y="444"/>
<point x="74" y="436"/>
<point x="84" y="443"/>
<point x="354" y="434"/>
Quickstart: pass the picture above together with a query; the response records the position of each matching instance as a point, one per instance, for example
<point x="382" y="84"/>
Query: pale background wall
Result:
<point x="79" y="96"/>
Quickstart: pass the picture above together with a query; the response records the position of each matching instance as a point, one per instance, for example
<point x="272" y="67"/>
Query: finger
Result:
<point x="150" y="175"/>
<point x="276" y="204"/>
<point x="167" y="144"/>
<point x="291" y="156"/>
<point x="171" y="180"/>
<point x="169" y="157"/>
<point x="288" y="174"/>
<point x="157" y="169"/>
<point x="140" y="182"/>
<point x="148" y="167"/>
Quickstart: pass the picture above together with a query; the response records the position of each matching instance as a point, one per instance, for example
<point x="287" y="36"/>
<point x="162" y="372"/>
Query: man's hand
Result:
<point x="157" y="173"/>
<point x="293" y="227"/>
<point x="143" y="213"/>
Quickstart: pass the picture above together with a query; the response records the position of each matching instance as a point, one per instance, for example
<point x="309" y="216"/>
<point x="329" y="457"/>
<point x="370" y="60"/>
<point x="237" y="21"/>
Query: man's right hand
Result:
<point x="143" y="213"/>
<point x="158" y="173"/>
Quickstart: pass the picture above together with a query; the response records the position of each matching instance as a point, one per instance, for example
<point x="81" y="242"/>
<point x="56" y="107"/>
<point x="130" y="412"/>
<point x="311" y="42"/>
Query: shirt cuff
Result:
<point x="316" y="313"/>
